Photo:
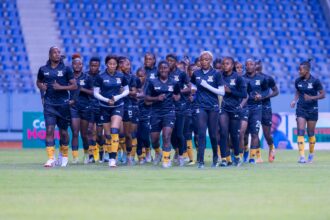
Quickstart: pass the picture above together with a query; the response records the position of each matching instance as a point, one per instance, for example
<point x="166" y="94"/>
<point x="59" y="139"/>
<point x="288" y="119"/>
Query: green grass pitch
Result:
<point x="282" y="190"/>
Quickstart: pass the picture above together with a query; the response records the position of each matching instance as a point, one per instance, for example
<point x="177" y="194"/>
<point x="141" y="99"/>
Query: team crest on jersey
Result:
<point x="176" y="78"/>
<point x="232" y="82"/>
<point x="106" y="81"/>
<point x="257" y="82"/>
<point x="118" y="80"/>
<point x="210" y="79"/>
<point x="170" y="88"/>
<point x="46" y="74"/>
<point x="82" y="82"/>
<point x="310" y="86"/>
<point x="299" y="85"/>
<point x="157" y="88"/>
<point x="60" y="73"/>
<point x="198" y="78"/>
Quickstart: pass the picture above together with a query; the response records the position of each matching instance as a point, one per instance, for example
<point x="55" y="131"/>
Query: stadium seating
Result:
<point x="281" y="33"/>
<point x="15" y="74"/>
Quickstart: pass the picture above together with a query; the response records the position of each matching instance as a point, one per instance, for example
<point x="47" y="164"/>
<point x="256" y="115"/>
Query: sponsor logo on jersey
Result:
<point x="82" y="82"/>
<point x="106" y="81"/>
<point x="258" y="82"/>
<point x="152" y="76"/>
<point x="118" y="80"/>
<point x="60" y="73"/>
<point x="157" y="88"/>
<point x="176" y="78"/>
<point x="232" y="82"/>
<point x="299" y="85"/>
<point x="310" y="86"/>
<point x="210" y="79"/>
<point x="46" y="74"/>
<point x="170" y="88"/>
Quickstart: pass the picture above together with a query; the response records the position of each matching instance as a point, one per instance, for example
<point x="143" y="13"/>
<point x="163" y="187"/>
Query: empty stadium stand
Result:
<point x="281" y="33"/>
<point x="15" y="74"/>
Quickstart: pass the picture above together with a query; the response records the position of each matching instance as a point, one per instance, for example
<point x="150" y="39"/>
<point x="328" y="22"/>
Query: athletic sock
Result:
<point x="190" y="151"/>
<point x="312" y="141"/>
<point x="301" y="145"/>
<point x="50" y="152"/>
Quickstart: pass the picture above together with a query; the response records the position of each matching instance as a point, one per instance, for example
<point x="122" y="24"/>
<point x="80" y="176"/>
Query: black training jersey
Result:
<point x="206" y="99"/>
<point x="157" y="87"/>
<point x="182" y="79"/>
<point x="131" y="80"/>
<point x="82" y="99"/>
<point x="110" y="85"/>
<point x="144" y="109"/>
<point x="231" y="101"/>
<point x="255" y="84"/>
<point x="312" y="87"/>
<point x="138" y="86"/>
<point x="270" y="84"/>
<point x="62" y="75"/>
<point x="151" y="73"/>
<point x="94" y="101"/>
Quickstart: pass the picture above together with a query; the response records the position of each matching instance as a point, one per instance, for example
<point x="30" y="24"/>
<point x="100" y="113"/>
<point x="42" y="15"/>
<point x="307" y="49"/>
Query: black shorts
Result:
<point x="57" y="115"/>
<point x="244" y="114"/>
<point x="266" y="118"/>
<point x="107" y="113"/>
<point x="135" y="114"/>
<point x="95" y="116"/>
<point x="127" y="113"/>
<point x="160" y="120"/>
<point x="83" y="113"/>
<point x="233" y="115"/>
<point x="254" y="121"/>
<point x="308" y="114"/>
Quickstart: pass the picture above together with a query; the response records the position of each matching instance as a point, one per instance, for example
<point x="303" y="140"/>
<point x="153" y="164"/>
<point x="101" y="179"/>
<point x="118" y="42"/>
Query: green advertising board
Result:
<point x="34" y="131"/>
<point x="322" y="135"/>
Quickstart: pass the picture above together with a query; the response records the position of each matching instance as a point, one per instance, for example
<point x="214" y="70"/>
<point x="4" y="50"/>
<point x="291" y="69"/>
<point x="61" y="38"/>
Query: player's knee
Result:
<point x="301" y="132"/>
<point x="310" y="133"/>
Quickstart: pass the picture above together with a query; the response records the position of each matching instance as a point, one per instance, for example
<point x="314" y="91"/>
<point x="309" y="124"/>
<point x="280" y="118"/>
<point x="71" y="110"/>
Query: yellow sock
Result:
<point x="190" y="151"/>
<point x="219" y="152"/>
<point x="144" y="151"/>
<point x="271" y="147"/>
<point x="253" y="153"/>
<point x="65" y="150"/>
<point x="91" y="149"/>
<point x="229" y="159"/>
<point x="61" y="149"/>
<point x="134" y="146"/>
<point x="107" y="146"/>
<point x="312" y="141"/>
<point x="166" y="156"/>
<point x="114" y="143"/>
<point x="50" y="152"/>
<point x="122" y="144"/>
<point x="158" y="150"/>
<point x="258" y="153"/>
<point x="75" y="154"/>
<point x="301" y="145"/>
<point x="96" y="153"/>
